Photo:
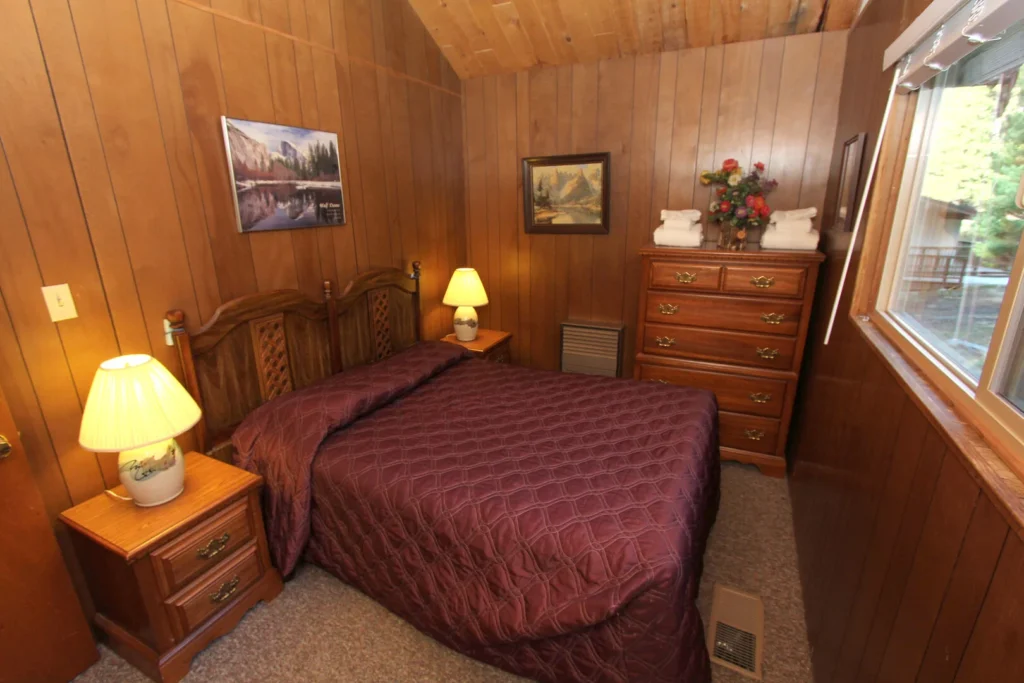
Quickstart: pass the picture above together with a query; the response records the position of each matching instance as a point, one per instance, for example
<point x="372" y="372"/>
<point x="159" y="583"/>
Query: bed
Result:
<point x="552" y="525"/>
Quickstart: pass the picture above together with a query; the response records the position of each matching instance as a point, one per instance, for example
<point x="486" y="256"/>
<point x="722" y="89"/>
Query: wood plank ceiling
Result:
<point x="482" y="37"/>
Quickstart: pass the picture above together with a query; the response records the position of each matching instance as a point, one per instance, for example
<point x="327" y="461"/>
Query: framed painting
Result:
<point x="283" y="177"/>
<point x="849" y="182"/>
<point x="566" y="194"/>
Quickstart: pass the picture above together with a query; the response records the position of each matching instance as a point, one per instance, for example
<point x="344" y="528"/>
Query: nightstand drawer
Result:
<point x="759" y="350"/>
<point x="202" y="548"/>
<point x="197" y="603"/>
<point x="788" y="282"/>
<point x="737" y="393"/>
<point x="698" y="276"/>
<point x="775" y="316"/>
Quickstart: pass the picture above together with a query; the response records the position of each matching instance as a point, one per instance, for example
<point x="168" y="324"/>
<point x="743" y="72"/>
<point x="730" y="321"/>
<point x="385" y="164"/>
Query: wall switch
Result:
<point x="59" y="302"/>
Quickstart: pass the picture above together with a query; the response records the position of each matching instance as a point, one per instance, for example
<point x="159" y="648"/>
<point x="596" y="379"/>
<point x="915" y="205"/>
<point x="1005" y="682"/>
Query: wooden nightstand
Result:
<point x="491" y="345"/>
<point x="167" y="580"/>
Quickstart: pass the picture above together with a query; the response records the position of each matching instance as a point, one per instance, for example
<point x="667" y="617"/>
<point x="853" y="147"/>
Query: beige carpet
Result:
<point x="319" y="629"/>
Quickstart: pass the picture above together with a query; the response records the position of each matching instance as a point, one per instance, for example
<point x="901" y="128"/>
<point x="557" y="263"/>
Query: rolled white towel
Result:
<point x="681" y="215"/>
<point x="802" y="241"/>
<point x="779" y="216"/>
<point x="677" y="238"/>
<point x="680" y="225"/>
<point x="797" y="225"/>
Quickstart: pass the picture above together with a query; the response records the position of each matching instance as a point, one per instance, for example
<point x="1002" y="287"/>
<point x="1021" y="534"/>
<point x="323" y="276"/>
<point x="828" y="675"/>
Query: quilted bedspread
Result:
<point x="553" y="525"/>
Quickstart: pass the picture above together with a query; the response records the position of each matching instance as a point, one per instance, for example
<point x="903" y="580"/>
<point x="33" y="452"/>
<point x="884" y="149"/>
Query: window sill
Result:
<point x="999" y="475"/>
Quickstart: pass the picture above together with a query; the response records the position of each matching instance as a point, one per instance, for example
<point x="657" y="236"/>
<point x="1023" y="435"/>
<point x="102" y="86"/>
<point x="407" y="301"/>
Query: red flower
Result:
<point x="766" y="211"/>
<point x="750" y="201"/>
<point x="730" y="165"/>
<point x="759" y="166"/>
<point x="720" y="191"/>
<point x="724" y="207"/>
<point x="759" y="202"/>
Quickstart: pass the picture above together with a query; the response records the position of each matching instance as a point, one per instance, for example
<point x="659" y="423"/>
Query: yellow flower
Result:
<point x="704" y="178"/>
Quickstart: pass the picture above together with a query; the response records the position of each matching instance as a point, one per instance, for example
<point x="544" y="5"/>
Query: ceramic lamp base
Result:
<point x="153" y="474"/>
<point x="465" y="323"/>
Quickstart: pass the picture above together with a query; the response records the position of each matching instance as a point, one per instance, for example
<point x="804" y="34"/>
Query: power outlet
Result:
<point x="59" y="302"/>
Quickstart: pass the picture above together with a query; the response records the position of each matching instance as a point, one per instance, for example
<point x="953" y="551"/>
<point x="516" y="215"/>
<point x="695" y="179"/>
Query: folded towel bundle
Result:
<point x="795" y="225"/>
<point x="683" y="225"/>
<point x="782" y="239"/>
<point x="795" y="214"/>
<point x="665" y="237"/>
<point x="692" y="215"/>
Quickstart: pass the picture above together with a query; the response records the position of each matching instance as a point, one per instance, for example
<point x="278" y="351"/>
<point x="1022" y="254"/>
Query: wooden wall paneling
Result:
<point x="793" y="117"/>
<point x="686" y="129"/>
<point x="640" y="223"/>
<point x="85" y="150"/>
<point x="442" y="222"/>
<point x="119" y="81"/>
<point x="768" y="90"/>
<point x="456" y="188"/>
<point x="666" y="108"/>
<point x="170" y="103"/>
<point x="476" y="180"/>
<point x="993" y="653"/>
<point x="741" y="76"/>
<point x="41" y="170"/>
<point x="543" y="269"/>
<point x="824" y="121"/>
<point x="564" y="244"/>
<point x="614" y="134"/>
<point x="399" y="128"/>
<point x="245" y="67"/>
<point x="196" y="47"/>
<point x="523" y="144"/>
<point x="962" y="602"/>
<point x="947" y="522"/>
<point x="509" y="199"/>
<point x="490" y="260"/>
<point x="584" y="139"/>
<point x="42" y="351"/>
<point x="714" y="59"/>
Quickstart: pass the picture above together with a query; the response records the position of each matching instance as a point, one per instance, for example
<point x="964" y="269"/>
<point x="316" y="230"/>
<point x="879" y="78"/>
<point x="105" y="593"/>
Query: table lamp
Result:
<point x="137" y="407"/>
<point x="465" y="291"/>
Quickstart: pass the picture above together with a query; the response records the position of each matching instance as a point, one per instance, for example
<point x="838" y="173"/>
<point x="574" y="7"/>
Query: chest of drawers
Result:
<point x="734" y="323"/>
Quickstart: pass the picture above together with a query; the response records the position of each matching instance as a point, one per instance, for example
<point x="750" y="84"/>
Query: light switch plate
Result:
<point x="60" y="302"/>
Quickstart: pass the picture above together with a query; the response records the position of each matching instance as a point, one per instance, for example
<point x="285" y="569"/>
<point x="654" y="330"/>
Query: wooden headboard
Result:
<point x="260" y="346"/>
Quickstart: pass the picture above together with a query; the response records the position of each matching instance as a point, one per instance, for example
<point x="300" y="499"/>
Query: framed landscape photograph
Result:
<point x="283" y="177"/>
<point x="849" y="182"/>
<point x="566" y="194"/>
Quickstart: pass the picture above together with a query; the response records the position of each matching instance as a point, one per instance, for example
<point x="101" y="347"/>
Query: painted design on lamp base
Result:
<point x="153" y="474"/>
<point x="465" y="323"/>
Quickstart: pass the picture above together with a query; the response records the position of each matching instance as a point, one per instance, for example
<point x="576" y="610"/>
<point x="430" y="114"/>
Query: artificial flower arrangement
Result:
<point x="739" y="204"/>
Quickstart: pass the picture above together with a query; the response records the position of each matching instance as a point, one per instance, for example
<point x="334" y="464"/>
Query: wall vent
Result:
<point x="737" y="631"/>
<point x="592" y="349"/>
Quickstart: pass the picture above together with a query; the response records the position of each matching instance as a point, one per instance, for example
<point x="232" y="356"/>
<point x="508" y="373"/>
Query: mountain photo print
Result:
<point x="283" y="177"/>
<point x="566" y="194"/>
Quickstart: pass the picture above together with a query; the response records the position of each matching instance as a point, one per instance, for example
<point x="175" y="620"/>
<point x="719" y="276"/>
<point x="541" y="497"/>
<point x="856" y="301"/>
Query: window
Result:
<point x="952" y="284"/>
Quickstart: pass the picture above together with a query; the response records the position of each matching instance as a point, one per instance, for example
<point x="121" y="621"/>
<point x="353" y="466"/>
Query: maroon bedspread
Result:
<point x="551" y="524"/>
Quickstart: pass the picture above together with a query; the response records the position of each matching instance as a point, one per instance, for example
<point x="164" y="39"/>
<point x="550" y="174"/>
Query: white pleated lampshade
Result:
<point x="135" y="401"/>
<point x="465" y="289"/>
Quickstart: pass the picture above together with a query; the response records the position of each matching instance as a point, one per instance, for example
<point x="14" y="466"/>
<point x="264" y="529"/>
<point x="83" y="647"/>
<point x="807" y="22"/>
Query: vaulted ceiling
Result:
<point x="482" y="37"/>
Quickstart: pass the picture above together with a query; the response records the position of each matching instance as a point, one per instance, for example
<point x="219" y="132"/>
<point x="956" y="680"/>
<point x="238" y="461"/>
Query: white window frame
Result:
<point x="995" y="417"/>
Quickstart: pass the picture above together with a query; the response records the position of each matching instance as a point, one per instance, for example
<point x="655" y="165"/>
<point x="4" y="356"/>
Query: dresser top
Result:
<point x="752" y="254"/>
<point x="130" y="530"/>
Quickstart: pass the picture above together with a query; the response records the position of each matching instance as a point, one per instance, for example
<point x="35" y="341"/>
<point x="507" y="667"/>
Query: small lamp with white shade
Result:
<point x="137" y="407"/>
<point x="465" y="291"/>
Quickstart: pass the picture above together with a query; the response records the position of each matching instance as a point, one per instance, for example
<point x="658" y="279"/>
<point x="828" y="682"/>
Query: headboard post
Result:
<point x="332" y="317"/>
<point x="182" y="342"/>
<point x="415" y="277"/>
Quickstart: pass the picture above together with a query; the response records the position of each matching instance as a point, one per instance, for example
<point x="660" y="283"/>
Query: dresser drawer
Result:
<point x="753" y="395"/>
<point x="202" y="548"/>
<point x="759" y="350"/>
<point x="689" y="276"/>
<point x="212" y="593"/>
<point x="770" y="281"/>
<point x="748" y="433"/>
<point x="776" y="316"/>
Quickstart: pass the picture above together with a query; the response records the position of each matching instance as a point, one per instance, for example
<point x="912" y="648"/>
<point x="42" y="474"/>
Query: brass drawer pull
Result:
<point x="668" y="309"/>
<point x="759" y="397"/>
<point x="753" y="434"/>
<point x="665" y="342"/>
<point x="762" y="281"/>
<point x="214" y="547"/>
<point x="773" y="318"/>
<point x="766" y="353"/>
<point x="226" y="590"/>
<point x="686" y="278"/>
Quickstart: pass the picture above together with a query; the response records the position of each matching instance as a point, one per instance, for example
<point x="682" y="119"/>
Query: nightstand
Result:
<point x="168" y="580"/>
<point x="491" y="345"/>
